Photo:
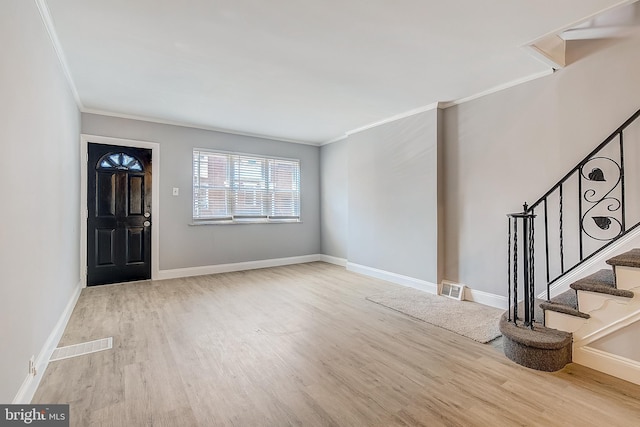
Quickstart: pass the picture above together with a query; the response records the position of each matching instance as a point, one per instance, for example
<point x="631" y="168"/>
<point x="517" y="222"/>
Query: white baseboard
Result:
<point x="236" y="266"/>
<point x="617" y="366"/>
<point x="333" y="260"/>
<point x="486" y="298"/>
<point x="31" y="383"/>
<point x="399" y="279"/>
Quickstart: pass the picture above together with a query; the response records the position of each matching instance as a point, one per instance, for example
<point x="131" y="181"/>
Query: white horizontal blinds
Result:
<point x="250" y="185"/>
<point x="228" y="186"/>
<point x="285" y="188"/>
<point x="211" y="185"/>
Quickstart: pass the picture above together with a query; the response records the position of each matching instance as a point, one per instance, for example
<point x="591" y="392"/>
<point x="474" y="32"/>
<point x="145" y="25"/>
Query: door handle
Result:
<point x="146" y="223"/>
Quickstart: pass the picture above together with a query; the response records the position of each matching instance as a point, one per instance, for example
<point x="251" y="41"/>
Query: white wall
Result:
<point x="183" y="245"/>
<point x="512" y="146"/>
<point x="39" y="240"/>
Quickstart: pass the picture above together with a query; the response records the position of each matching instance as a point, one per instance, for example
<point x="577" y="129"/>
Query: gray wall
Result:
<point x="623" y="342"/>
<point x="489" y="156"/>
<point x="40" y="215"/>
<point x="387" y="176"/>
<point x="509" y="147"/>
<point x="334" y="198"/>
<point x="182" y="245"/>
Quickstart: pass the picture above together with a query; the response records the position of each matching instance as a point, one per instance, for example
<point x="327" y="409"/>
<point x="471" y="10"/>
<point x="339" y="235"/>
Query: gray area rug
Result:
<point x="472" y="320"/>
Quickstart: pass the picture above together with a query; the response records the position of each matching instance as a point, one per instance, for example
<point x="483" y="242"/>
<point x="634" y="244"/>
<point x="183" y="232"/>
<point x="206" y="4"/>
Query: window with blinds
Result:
<point x="234" y="187"/>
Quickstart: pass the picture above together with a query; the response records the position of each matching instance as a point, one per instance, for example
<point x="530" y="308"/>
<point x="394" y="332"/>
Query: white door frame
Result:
<point x="155" y="196"/>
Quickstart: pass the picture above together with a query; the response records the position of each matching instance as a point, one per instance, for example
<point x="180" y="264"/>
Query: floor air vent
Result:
<point x="452" y="290"/>
<point x="82" y="348"/>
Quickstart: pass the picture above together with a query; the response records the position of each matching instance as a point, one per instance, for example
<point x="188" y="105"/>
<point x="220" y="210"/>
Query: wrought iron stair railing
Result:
<point x="593" y="205"/>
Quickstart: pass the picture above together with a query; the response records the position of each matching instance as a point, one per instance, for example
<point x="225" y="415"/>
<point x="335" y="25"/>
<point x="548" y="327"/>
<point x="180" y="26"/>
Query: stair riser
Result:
<point x="563" y="322"/>
<point x="610" y="312"/>
<point x="627" y="277"/>
<point x="537" y="358"/>
<point x="590" y="301"/>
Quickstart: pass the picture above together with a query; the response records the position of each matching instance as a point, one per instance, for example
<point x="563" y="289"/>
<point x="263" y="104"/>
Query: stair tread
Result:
<point x="566" y="302"/>
<point x="603" y="282"/>
<point x="568" y="298"/>
<point x="627" y="259"/>
<point x="539" y="337"/>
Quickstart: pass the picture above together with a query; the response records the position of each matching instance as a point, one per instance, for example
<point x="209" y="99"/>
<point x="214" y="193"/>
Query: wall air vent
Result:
<point x="451" y="290"/>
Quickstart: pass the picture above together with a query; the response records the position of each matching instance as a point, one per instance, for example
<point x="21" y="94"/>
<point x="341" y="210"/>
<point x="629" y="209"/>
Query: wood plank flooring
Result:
<point x="300" y="345"/>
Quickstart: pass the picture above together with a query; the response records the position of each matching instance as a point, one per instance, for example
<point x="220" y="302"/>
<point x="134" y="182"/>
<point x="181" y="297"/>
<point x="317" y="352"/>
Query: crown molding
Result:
<point x="442" y="105"/>
<point x="57" y="47"/>
<point x="400" y="116"/>
<point x="193" y="126"/>
<point x="499" y="88"/>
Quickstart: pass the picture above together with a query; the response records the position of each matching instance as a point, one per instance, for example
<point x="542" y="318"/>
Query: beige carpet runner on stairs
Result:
<point x="472" y="320"/>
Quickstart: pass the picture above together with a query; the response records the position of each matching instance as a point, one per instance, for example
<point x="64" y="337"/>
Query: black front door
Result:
<point x="119" y="214"/>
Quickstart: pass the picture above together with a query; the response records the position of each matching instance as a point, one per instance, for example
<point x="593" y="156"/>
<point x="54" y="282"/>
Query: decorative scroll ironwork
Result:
<point x="596" y="174"/>
<point x="605" y="201"/>
<point x="597" y="184"/>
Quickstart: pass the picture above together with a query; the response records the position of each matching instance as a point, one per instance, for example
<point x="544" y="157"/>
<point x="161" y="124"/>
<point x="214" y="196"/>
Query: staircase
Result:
<point x="594" y="210"/>
<point x="596" y="306"/>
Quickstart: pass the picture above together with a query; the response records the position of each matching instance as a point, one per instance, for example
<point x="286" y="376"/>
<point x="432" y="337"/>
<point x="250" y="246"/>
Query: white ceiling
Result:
<point x="299" y="70"/>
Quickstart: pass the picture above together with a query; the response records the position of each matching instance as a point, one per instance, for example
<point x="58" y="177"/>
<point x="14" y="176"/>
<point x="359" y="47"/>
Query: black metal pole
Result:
<point x="525" y="271"/>
<point x="515" y="271"/>
<point x="532" y="286"/>
<point x="509" y="271"/>
<point x="580" y="227"/>
<point x="561" y="235"/>
<point x="546" y="245"/>
<point x="624" y="225"/>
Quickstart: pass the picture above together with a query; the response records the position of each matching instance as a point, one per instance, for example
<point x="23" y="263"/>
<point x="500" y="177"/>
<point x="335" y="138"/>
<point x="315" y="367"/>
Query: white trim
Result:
<point x="333" y="260"/>
<point x="486" y="298"/>
<point x="57" y="47"/>
<point x="394" y="118"/>
<point x="612" y="364"/>
<point x="399" y="279"/>
<point x="608" y="329"/>
<point x="236" y="266"/>
<point x="580" y="21"/>
<point x="563" y="284"/>
<point x="155" y="197"/>
<point x="543" y="57"/>
<point x="336" y="139"/>
<point x="30" y="385"/>
<point x="498" y="88"/>
<point x="441" y="105"/>
<point x="194" y="126"/>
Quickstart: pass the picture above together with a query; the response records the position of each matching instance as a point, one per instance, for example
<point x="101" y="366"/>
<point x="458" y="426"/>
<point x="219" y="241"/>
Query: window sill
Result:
<point x="245" y="221"/>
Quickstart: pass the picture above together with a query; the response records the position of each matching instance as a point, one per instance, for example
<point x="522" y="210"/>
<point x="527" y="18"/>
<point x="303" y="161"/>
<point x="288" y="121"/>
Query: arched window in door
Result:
<point x="119" y="161"/>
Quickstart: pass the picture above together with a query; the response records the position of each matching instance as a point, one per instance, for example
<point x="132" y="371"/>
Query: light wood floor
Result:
<point x="300" y="345"/>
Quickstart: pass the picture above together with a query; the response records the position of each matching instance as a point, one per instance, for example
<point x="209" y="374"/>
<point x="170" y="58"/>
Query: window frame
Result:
<point x="234" y="188"/>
